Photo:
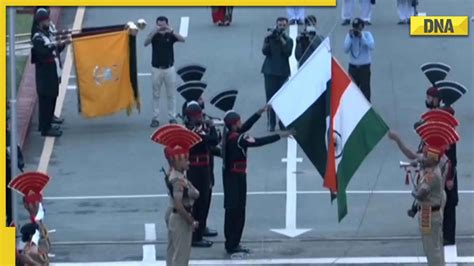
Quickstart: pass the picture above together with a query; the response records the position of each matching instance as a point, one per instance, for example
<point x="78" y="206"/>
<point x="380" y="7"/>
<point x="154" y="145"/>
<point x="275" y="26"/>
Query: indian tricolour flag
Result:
<point x="321" y="99"/>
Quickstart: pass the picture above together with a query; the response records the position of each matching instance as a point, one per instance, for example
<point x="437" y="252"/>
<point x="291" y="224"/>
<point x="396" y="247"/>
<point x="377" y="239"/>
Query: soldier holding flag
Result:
<point x="45" y="56"/>
<point x="235" y="145"/>
<point x="438" y="133"/>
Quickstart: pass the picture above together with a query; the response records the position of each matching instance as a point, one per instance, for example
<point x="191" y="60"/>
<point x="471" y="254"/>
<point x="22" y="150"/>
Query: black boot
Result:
<point x="52" y="132"/>
<point x="210" y="232"/>
<point x="57" y="120"/>
<point x="203" y="243"/>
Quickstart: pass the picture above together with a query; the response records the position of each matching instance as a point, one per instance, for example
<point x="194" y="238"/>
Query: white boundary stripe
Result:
<point x="255" y="193"/>
<point x="353" y="260"/>
<point x="142" y="74"/>
<point x="184" y="26"/>
<point x="149" y="251"/>
<point x="49" y="141"/>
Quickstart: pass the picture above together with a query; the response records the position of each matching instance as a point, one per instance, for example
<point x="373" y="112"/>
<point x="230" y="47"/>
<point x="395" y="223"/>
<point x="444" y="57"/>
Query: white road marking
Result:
<point x="49" y="141"/>
<point x="421" y="14"/>
<point x="293" y="261"/>
<point x="290" y="229"/>
<point x="254" y="193"/>
<point x="71" y="87"/>
<point x="184" y="26"/>
<point x="149" y="251"/>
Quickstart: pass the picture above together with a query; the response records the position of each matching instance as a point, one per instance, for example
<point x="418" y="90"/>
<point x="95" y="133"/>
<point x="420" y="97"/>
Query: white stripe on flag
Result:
<point x="352" y="108"/>
<point x="305" y="87"/>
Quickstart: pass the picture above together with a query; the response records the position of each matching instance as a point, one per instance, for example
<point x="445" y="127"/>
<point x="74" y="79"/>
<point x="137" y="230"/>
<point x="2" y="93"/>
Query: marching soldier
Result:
<point x="437" y="132"/>
<point x="179" y="218"/>
<point x="45" y="56"/>
<point x="235" y="145"/>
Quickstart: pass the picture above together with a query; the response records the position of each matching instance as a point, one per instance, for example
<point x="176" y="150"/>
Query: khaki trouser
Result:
<point x="166" y="77"/>
<point x="180" y="235"/>
<point x="433" y="241"/>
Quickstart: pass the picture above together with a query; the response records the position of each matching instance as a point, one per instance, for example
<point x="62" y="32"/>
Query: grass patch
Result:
<point x="22" y="25"/>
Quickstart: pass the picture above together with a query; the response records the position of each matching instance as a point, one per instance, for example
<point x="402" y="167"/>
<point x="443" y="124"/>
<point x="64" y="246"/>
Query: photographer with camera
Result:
<point x="307" y="41"/>
<point x="277" y="48"/>
<point x="162" y="39"/>
<point x="359" y="44"/>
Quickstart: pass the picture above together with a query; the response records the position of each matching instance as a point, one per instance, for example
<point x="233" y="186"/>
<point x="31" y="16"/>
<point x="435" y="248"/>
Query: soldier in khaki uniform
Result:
<point x="438" y="133"/>
<point x="179" y="220"/>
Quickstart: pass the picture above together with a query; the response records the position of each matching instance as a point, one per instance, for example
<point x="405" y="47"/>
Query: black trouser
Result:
<point x="206" y="211"/>
<point x="272" y="84"/>
<point x="47" y="104"/>
<point x="449" y="223"/>
<point x="199" y="177"/>
<point x="233" y="227"/>
<point x="361" y="77"/>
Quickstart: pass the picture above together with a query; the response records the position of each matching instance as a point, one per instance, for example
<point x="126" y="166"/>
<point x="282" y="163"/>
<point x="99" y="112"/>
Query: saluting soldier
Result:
<point x="235" y="145"/>
<point x="437" y="132"/>
<point x="179" y="219"/>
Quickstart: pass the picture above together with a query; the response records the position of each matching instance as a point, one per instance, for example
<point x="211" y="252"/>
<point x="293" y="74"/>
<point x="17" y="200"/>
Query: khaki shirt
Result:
<point x="431" y="180"/>
<point x="182" y="189"/>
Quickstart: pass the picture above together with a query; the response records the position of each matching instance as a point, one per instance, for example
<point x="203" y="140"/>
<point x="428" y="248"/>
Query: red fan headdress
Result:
<point x="177" y="140"/>
<point x="437" y="132"/>
<point x="30" y="185"/>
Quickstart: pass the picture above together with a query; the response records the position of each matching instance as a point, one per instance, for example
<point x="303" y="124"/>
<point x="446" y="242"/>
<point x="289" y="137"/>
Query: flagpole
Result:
<point x="13" y="129"/>
<point x="319" y="38"/>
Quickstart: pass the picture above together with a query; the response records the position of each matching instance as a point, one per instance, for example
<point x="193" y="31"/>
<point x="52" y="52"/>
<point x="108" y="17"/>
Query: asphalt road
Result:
<point x="113" y="156"/>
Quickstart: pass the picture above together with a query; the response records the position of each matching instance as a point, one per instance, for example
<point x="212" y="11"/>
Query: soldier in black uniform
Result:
<point x="199" y="172"/>
<point x="235" y="145"/>
<point x="45" y="56"/>
<point x="192" y="90"/>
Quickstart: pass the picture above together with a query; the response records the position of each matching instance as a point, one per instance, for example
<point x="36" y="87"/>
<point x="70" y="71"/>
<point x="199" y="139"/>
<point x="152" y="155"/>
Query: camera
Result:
<point x="412" y="212"/>
<point x="276" y="32"/>
<point x="355" y="33"/>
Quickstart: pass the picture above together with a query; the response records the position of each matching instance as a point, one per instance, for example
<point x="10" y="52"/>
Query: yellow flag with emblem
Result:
<point x="103" y="73"/>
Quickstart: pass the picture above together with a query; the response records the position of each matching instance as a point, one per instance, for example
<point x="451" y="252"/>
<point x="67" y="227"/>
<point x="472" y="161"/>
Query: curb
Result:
<point x="27" y="97"/>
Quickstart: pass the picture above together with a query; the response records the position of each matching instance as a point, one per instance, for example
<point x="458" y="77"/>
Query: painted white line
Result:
<point x="71" y="87"/>
<point x="51" y="231"/>
<point x="150" y="232"/>
<point x="421" y="14"/>
<point x="184" y="26"/>
<point x="254" y="193"/>
<point x="49" y="141"/>
<point x="450" y="254"/>
<point x="290" y="229"/>
<point x="312" y="261"/>
<point x="141" y="74"/>
<point x="149" y="251"/>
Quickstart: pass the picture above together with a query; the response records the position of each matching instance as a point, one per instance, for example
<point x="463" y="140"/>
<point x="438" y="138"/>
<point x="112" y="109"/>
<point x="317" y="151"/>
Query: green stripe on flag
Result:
<point x="368" y="132"/>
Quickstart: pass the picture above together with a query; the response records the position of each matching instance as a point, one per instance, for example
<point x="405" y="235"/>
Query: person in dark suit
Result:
<point x="277" y="48"/>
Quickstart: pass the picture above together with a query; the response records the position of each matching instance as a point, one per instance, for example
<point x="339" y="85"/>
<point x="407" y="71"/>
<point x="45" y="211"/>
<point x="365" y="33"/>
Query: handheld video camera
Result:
<point x="276" y="32"/>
